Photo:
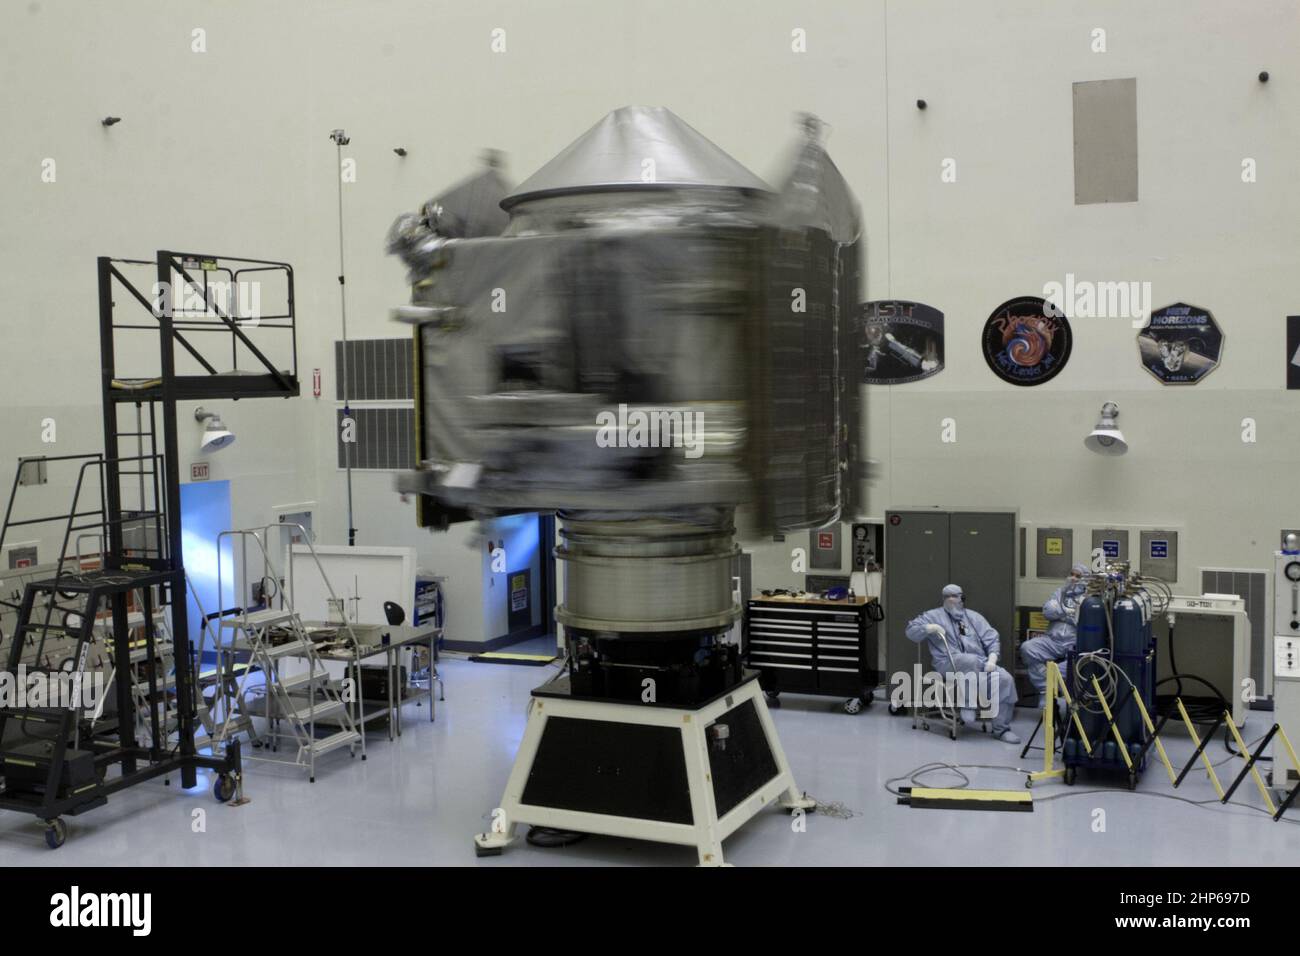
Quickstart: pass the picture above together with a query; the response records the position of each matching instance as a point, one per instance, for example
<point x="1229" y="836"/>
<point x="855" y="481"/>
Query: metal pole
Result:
<point x="186" y="685"/>
<point x="139" y="450"/>
<point x="340" y="140"/>
<point x="111" y="466"/>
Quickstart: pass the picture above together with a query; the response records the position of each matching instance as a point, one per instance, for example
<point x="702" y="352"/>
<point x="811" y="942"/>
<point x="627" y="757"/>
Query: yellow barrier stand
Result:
<point x="1274" y="810"/>
<point x="1055" y="683"/>
<point x="1074" y="713"/>
<point x="1151" y="729"/>
<point x="1191" y="730"/>
<point x="1286" y="742"/>
<point x="1245" y="755"/>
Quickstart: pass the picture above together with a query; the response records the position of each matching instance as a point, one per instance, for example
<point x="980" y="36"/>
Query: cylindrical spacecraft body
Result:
<point x="654" y="338"/>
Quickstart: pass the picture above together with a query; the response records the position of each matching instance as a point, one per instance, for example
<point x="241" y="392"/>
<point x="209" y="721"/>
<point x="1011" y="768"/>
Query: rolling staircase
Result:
<point x="294" y="704"/>
<point x="220" y="685"/>
<point x="151" y="673"/>
<point x="66" y="760"/>
<point x="56" y="753"/>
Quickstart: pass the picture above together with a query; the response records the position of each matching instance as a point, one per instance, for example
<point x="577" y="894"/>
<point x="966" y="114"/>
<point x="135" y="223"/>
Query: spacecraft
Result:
<point x="642" y="337"/>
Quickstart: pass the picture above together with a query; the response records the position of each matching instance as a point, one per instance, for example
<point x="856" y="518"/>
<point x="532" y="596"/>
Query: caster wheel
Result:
<point x="867" y="697"/>
<point x="1029" y="783"/>
<point x="55" y="833"/>
<point x="925" y="725"/>
<point x="311" y="779"/>
<point x="852" y="706"/>
<point x="894" y="711"/>
<point x="952" y="735"/>
<point x="224" y="788"/>
<point x="486" y="850"/>
<point x="1132" y="782"/>
<point x="1069" y="776"/>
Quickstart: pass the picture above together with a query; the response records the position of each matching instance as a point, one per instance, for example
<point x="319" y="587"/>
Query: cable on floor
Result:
<point x="957" y="769"/>
<point x="551" y="838"/>
<point x="1227" y="745"/>
<point x="834" y="809"/>
<point x="1201" y="709"/>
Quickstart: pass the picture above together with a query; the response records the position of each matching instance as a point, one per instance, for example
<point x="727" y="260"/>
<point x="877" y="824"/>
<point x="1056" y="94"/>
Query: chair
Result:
<point x="947" y="713"/>
<point x="396" y="615"/>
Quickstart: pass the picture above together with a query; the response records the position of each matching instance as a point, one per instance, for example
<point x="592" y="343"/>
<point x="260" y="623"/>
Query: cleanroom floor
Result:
<point x="419" y="800"/>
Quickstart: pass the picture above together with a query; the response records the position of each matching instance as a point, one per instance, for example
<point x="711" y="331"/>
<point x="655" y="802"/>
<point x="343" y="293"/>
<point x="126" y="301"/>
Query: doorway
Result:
<point x="205" y="513"/>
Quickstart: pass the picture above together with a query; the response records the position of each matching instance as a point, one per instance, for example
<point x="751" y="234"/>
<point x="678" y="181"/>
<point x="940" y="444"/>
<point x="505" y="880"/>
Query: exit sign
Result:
<point x="199" y="471"/>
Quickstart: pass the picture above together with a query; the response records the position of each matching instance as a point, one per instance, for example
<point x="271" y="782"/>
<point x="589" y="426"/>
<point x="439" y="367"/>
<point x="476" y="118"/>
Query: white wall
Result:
<point x="999" y="93"/>
<point x="227" y="151"/>
<point x="207" y="163"/>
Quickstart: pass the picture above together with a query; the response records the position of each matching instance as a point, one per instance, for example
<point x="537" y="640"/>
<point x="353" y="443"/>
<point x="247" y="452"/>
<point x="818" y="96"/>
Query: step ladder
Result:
<point x="144" y="664"/>
<point x="293" y="704"/>
<point x="298" y="696"/>
<point x="221" y="681"/>
<point x="220" y="728"/>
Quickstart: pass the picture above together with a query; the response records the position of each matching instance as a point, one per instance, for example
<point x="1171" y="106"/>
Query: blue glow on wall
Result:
<point x="205" y="513"/>
<point x="518" y="535"/>
<point x="519" y="538"/>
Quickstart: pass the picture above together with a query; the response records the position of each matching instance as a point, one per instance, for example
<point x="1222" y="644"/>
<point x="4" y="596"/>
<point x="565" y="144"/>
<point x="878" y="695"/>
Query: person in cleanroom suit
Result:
<point x="963" y="640"/>
<point x="1062" y="609"/>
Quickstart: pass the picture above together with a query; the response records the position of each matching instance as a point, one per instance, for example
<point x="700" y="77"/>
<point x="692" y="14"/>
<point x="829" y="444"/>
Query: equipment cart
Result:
<point x="811" y="645"/>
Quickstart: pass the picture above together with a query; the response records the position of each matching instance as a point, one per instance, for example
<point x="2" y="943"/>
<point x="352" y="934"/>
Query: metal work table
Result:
<point x="370" y="644"/>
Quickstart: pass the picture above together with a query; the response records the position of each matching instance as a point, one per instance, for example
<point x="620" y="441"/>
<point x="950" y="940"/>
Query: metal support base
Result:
<point x="703" y="827"/>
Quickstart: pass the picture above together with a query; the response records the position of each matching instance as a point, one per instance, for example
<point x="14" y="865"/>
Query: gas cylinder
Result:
<point x="1092" y="637"/>
<point x="1131" y="622"/>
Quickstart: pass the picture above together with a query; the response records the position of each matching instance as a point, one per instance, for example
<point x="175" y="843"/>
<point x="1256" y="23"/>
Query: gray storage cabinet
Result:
<point x="925" y="549"/>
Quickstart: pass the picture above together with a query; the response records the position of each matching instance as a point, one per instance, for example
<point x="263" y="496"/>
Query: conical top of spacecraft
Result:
<point x="614" y="155"/>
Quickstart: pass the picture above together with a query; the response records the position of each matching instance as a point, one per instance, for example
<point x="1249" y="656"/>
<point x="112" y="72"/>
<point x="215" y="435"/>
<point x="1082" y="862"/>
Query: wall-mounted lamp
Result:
<point x="215" y="433"/>
<point x="1106" y="438"/>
